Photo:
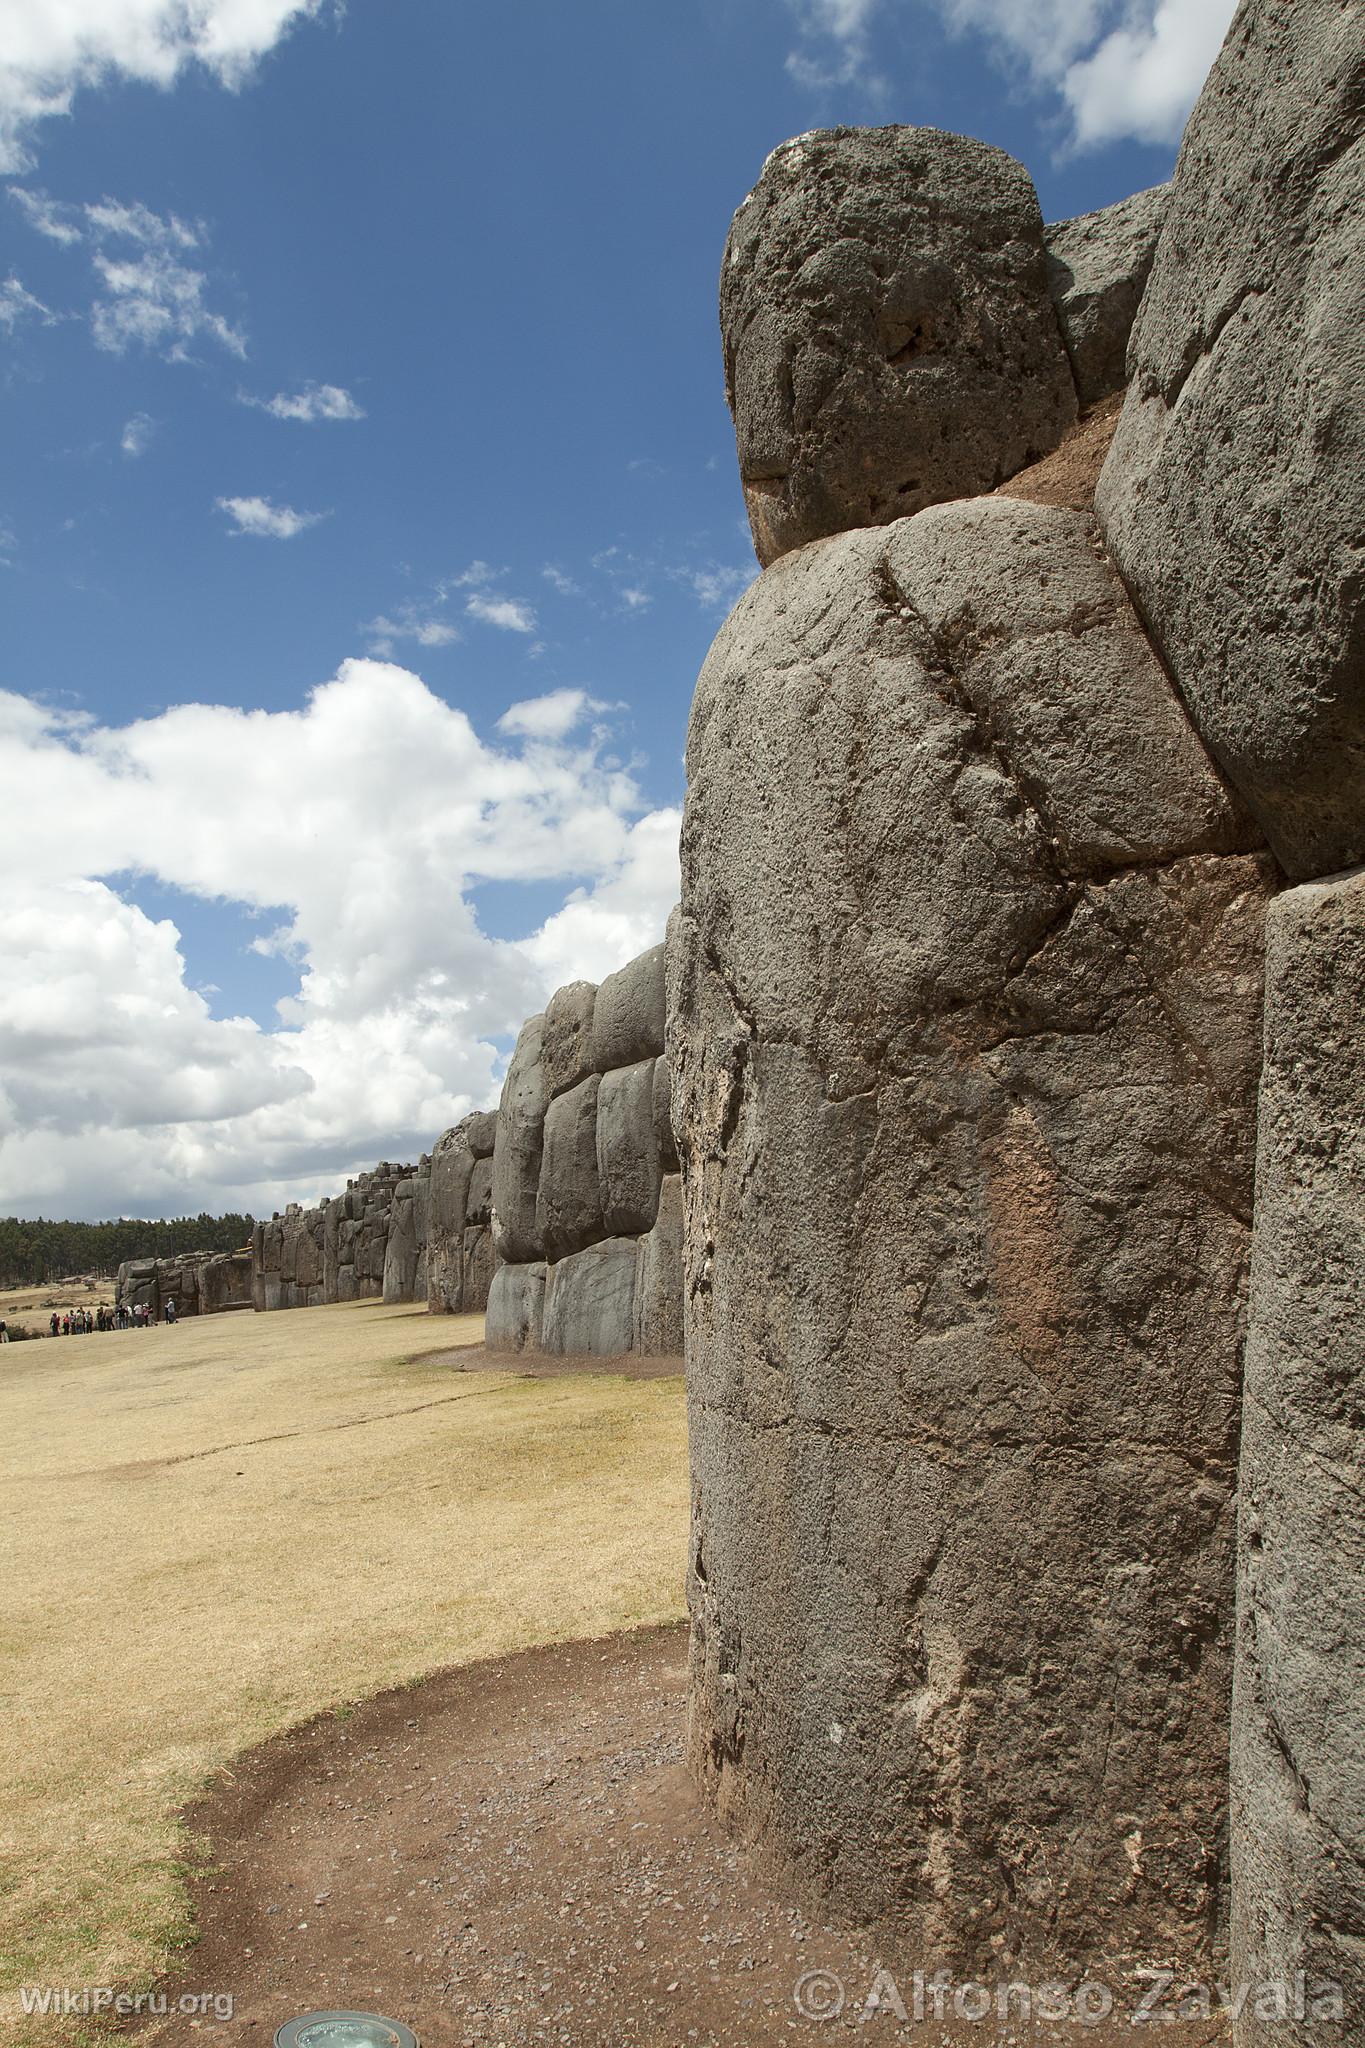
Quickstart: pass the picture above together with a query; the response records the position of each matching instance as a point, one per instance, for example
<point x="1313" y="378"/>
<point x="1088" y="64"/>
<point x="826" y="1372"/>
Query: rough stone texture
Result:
<point x="628" y="1168"/>
<point x="964" y="1015"/>
<point x="568" y="1048"/>
<point x="516" y="1304"/>
<point x="480" y="1263"/>
<point x="199" y="1283"/>
<point x="1233" y="496"/>
<point x="889" y="338"/>
<point x="663" y="1116"/>
<point x="569" y="1197"/>
<point x="479" y="1208"/>
<point x="1298" y="1739"/>
<point x="338" y="1251"/>
<point x="452" y="1168"/>
<point x="402" y="1248"/>
<point x="628" y="1023"/>
<point x="658" y="1278"/>
<point x="590" y="1300"/>
<point x="481" y="1132"/>
<point x="516" y="1154"/>
<point x="1097" y="267"/>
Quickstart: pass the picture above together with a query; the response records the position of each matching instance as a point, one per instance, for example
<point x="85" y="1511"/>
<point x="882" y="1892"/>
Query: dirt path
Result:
<point x="512" y="1853"/>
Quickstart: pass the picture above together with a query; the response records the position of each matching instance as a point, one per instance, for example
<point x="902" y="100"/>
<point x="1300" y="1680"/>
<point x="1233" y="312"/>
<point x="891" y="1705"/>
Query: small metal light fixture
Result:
<point x="345" y="2030"/>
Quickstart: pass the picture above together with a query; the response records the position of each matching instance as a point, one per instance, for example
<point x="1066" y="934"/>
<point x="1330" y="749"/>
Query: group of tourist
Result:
<point x="81" y="1322"/>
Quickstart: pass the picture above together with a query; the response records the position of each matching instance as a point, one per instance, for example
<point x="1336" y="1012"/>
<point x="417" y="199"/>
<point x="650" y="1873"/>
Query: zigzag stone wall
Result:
<point x="340" y="1251"/>
<point x="586" y="1198"/>
<point x="199" y="1283"/>
<point x="460" y="1256"/>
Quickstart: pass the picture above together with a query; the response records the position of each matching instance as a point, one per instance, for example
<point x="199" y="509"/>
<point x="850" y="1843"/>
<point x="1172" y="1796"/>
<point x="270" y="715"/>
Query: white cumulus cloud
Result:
<point x="1118" y="69"/>
<point x="51" y="49"/>
<point x="358" y="829"/>
<point x="268" y="522"/>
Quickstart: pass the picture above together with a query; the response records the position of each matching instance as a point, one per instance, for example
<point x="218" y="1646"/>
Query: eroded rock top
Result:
<point x="889" y="337"/>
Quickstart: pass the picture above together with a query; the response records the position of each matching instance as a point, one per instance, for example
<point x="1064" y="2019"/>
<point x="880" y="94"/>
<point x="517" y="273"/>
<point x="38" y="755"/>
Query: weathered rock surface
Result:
<point x="569" y="1197"/>
<point x="590" y="1300"/>
<point x="964" y="1013"/>
<point x="663" y="1116"/>
<point x="516" y="1306"/>
<point x="452" y="1168"/>
<point x="1298" y="1742"/>
<point x="199" y="1283"/>
<point x="658" y="1329"/>
<point x="339" y="1250"/>
<point x="628" y="1167"/>
<point x="629" y="1017"/>
<point x="889" y="337"/>
<point x="567" y="1053"/>
<point x="1233" y="496"/>
<point x="481" y="1132"/>
<point x="1097" y="266"/>
<point x="459" y="1257"/>
<point x="517" y="1151"/>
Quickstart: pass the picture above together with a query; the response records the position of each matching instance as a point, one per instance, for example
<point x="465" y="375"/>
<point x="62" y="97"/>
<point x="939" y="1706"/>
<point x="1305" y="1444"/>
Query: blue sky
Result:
<point x="362" y="384"/>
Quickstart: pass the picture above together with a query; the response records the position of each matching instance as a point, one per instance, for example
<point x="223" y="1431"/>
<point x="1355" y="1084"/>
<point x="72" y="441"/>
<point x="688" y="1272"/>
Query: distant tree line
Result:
<point x="35" y="1250"/>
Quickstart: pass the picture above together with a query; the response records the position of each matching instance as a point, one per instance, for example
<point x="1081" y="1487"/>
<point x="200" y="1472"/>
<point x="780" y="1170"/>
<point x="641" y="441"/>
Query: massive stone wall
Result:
<point x="965" y="1013"/>
<point x="340" y="1250"/>
<point x="199" y="1283"/>
<point x="1233" y="499"/>
<point x="460" y="1256"/>
<point x="586" y="1204"/>
<point x="965" y="1003"/>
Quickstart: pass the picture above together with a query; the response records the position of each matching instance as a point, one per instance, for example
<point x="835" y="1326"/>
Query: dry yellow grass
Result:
<point x="213" y="1531"/>
<point x="32" y="1306"/>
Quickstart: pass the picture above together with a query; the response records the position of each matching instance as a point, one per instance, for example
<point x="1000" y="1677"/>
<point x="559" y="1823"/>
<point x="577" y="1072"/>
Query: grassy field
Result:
<point x="216" y="1530"/>
<point x="31" y="1306"/>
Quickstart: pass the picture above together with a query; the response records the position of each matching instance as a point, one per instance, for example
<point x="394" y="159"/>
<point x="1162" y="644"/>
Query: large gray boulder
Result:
<point x="663" y="1115"/>
<point x="889" y="338"/>
<point x="569" y="1197"/>
<point x="1097" y="266"/>
<point x="517" y="1151"/>
<point x="568" y="1047"/>
<point x="629" y="1016"/>
<point x="965" y="1014"/>
<point x="590" y="1301"/>
<point x="1298" y="1740"/>
<point x="516" y="1306"/>
<point x="628" y="1166"/>
<point x="658" y="1329"/>
<point x="1233" y="496"/>
<point x="400" y="1246"/>
<point x="452" y="1167"/>
<point x="481" y="1132"/>
<point x="480" y="1264"/>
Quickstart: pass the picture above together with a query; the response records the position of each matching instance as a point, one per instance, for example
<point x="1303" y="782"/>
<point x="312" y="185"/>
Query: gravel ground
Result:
<point x="513" y="1853"/>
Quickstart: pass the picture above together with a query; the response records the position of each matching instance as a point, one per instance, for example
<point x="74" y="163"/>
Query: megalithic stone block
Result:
<point x="590" y="1301"/>
<point x="889" y="337"/>
<point x="1298" y="1731"/>
<point x="518" y="1147"/>
<point x="516" y="1307"/>
<point x="1233" y="494"/>
<point x="629" y="1170"/>
<point x="965" y="1018"/>
<point x="569" y="1197"/>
